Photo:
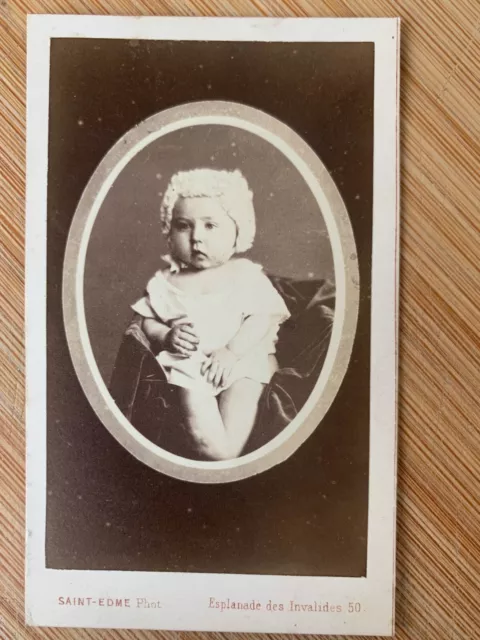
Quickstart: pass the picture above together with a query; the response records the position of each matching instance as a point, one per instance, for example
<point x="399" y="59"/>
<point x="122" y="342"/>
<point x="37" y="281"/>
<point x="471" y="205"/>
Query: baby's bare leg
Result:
<point x="205" y="423"/>
<point x="238" y="408"/>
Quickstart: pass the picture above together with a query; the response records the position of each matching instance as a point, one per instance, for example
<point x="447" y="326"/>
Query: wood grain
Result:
<point x="438" y="568"/>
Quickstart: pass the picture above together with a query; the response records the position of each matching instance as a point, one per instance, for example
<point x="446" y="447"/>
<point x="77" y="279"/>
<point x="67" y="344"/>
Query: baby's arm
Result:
<point x="179" y="337"/>
<point x="155" y="331"/>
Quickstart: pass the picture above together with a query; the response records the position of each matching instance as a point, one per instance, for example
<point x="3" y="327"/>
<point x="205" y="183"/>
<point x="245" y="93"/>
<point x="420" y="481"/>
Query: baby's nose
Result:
<point x="197" y="233"/>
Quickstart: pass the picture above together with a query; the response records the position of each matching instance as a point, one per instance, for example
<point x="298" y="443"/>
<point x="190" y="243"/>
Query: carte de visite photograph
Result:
<point x="217" y="239"/>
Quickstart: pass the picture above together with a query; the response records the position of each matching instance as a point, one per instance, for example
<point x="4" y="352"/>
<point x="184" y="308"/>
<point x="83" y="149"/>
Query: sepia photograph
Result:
<point x="210" y="277"/>
<point x="212" y="226"/>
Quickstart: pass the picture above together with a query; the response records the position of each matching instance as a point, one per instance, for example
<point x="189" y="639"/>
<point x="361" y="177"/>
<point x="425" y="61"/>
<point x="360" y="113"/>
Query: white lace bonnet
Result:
<point x="229" y="187"/>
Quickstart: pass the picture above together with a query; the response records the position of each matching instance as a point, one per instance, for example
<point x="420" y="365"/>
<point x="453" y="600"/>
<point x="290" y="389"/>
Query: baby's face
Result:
<point x="202" y="235"/>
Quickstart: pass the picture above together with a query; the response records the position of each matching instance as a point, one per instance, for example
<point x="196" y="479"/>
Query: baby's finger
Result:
<point x="181" y="321"/>
<point x="175" y="321"/>
<point x="185" y="344"/>
<point x="189" y="334"/>
<point x="225" y="378"/>
<point x="213" y="372"/>
<point x="180" y="350"/>
<point x="205" y="367"/>
<point x="218" y="377"/>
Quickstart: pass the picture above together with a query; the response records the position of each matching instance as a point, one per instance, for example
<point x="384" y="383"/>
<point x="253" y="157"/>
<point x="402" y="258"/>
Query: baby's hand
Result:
<point x="181" y="338"/>
<point x="218" y="368"/>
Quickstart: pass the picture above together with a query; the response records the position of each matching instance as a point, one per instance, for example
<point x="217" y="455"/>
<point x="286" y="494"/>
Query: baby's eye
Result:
<point x="180" y="226"/>
<point x="210" y="225"/>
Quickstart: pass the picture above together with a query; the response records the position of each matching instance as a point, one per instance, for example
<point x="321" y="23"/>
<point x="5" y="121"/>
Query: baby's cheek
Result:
<point x="228" y="249"/>
<point x="226" y="256"/>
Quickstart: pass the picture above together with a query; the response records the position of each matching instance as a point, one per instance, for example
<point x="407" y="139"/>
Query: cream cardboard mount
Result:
<point x="158" y="498"/>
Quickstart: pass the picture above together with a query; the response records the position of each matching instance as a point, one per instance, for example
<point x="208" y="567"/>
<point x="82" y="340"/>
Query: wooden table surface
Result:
<point x="438" y="569"/>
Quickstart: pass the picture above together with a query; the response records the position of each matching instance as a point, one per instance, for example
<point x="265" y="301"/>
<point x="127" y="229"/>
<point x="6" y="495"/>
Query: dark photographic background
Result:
<point x="291" y="237"/>
<point x="106" y="510"/>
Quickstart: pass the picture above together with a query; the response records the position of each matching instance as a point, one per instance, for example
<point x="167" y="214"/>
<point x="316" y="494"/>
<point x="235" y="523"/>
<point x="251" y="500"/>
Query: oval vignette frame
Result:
<point x="334" y="212"/>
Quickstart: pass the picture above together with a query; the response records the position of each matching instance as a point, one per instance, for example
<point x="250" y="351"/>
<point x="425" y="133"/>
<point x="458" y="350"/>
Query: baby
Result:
<point x="212" y="317"/>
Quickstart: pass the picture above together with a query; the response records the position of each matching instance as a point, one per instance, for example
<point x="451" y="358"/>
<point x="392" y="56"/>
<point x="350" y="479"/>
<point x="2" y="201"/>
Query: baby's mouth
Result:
<point x="199" y="254"/>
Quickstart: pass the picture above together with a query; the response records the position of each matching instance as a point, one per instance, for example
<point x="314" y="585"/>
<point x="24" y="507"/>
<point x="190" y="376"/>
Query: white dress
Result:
<point x="216" y="317"/>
